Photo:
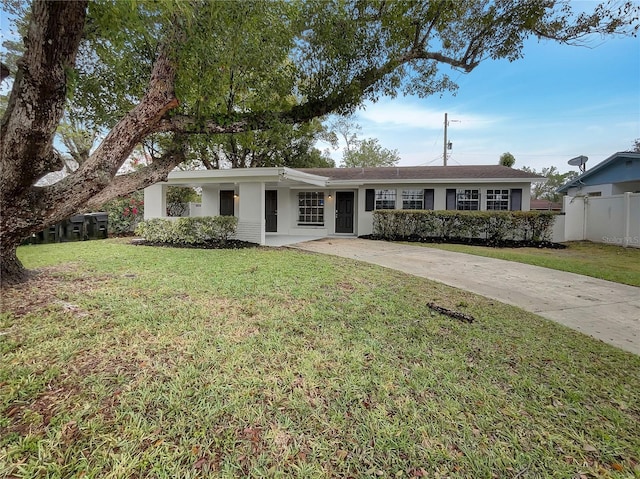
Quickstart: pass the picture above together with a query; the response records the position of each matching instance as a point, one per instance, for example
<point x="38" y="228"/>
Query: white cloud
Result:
<point x="402" y="114"/>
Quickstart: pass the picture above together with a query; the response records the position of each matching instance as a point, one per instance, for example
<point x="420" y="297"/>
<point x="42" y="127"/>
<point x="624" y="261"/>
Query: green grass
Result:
<point x="129" y="362"/>
<point x="613" y="263"/>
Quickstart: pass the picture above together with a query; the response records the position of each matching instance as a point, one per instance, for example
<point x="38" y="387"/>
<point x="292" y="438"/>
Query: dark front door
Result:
<point x="226" y="203"/>
<point x="344" y="212"/>
<point x="271" y="211"/>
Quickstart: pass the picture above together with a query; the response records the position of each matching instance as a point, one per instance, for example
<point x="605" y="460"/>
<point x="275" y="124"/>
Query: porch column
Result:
<point x="155" y="201"/>
<point x="210" y="201"/>
<point x="251" y="222"/>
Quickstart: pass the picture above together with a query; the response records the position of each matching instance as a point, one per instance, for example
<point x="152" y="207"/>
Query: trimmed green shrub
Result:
<point x="189" y="230"/>
<point x="493" y="226"/>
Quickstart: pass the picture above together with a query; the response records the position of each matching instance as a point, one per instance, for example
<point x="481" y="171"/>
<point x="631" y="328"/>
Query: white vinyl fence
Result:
<point x="601" y="219"/>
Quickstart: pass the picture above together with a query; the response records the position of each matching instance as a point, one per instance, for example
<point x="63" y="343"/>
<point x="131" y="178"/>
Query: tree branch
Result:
<point x="238" y="123"/>
<point x="4" y="71"/>
<point x="96" y="173"/>
<point x="125" y="184"/>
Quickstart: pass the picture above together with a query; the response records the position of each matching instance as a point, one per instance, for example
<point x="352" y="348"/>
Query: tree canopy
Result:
<point x="359" y="153"/>
<point x="166" y="72"/>
<point x="507" y="159"/>
<point x="284" y="144"/>
<point x="555" y="179"/>
<point x="369" y="153"/>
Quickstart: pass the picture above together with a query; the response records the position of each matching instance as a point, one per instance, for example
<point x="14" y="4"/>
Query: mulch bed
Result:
<point x="229" y="244"/>
<point x="475" y="242"/>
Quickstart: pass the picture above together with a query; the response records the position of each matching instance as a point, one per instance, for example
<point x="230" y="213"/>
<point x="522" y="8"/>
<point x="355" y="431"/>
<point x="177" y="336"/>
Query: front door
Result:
<point x="271" y="211"/>
<point x="344" y="212"/>
<point x="226" y="202"/>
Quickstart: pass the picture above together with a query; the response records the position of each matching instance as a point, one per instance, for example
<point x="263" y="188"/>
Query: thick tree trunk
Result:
<point x="11" y="269"/>
<point x="28" y="126"/>
<point x="38" y="96"/>
<point x="27" y="209"/>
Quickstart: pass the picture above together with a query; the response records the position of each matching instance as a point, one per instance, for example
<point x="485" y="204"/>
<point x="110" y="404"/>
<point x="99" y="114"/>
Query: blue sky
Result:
<point x="556" y="103"/>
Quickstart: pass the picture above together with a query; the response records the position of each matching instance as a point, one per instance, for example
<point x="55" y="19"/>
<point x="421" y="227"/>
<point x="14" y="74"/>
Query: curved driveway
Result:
<point x="605" y="310"/>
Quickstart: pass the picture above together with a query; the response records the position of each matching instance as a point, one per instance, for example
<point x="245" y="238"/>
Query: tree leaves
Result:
<point x="555" y="179"/>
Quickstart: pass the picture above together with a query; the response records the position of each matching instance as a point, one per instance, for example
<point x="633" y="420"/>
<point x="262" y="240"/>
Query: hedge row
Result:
<point x="490" y="225"/>
<point x="189" y="230"/>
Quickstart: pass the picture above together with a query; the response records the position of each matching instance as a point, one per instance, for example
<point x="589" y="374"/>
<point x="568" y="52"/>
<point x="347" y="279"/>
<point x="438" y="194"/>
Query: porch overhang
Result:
<point x="279" y="175"/>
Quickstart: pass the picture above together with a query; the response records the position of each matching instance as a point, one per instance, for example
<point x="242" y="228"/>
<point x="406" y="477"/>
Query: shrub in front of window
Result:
<point x="533" y="225"/>
<point x="490" y="225"/>
<point x="191" y="230"/>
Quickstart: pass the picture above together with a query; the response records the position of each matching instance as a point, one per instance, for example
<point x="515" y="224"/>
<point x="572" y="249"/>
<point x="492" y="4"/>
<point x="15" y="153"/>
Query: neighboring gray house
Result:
<point x="620" y="173"/>
<point x="340" y="201"/>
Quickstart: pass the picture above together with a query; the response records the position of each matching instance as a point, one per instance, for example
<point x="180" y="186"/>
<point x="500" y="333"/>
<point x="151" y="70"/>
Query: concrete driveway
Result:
<point x="602" y="309"/>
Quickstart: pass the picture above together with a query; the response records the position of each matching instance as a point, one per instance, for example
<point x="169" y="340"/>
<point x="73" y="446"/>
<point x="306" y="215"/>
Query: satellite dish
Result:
<point x="579" y="161"/>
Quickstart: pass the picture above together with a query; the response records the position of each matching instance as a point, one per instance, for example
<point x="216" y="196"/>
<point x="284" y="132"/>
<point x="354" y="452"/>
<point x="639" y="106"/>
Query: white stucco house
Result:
<point x="340" y="201"/>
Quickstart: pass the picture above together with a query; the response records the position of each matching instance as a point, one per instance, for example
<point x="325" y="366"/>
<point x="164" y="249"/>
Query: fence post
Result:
<point x="627" y="220"/>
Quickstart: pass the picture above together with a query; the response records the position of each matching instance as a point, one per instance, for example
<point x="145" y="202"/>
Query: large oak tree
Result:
<point x="166" y="72"/>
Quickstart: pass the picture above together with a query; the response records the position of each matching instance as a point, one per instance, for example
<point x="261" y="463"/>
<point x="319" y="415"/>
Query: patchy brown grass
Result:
<point x="144" y="362"/>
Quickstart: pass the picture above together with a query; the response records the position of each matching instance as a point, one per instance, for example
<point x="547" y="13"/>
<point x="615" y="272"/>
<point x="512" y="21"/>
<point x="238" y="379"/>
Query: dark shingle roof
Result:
<point x="420" y="172"/>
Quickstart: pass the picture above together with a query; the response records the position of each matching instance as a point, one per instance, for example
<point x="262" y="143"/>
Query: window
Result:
<point x="468" y="200"/>
<point x="385" y="199"/>
<point x="595" y="193"/>
<point x="311" y="208"/>
<point x="498" y="200"/>
<point x="413" y="199"/>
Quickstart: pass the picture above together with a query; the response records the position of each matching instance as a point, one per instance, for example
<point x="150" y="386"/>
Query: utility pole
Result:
<point x="447" y="144"/>
<point x="444" y="153"/>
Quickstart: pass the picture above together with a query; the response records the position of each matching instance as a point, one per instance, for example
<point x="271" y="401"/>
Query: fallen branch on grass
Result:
<point x="465" y="318"/>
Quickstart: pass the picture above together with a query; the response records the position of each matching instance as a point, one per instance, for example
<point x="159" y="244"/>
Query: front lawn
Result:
<point x="613" y="263"/>
<point x="124" y="361"/>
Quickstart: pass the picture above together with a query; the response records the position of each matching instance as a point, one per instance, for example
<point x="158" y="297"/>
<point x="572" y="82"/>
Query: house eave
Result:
<point x="577" y="182"/>
<point x="441" y="181"/>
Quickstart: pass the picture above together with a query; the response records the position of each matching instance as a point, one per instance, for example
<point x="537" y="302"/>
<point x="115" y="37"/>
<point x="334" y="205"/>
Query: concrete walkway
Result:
<point x="602" y="309"/>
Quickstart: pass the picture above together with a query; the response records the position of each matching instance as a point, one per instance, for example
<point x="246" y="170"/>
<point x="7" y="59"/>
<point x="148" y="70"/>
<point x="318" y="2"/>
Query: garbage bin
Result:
<point x="32" y="239"/>
<point x="48" y="235"/>
<point x="72" y="229"/>
<point x="96" y="225"/>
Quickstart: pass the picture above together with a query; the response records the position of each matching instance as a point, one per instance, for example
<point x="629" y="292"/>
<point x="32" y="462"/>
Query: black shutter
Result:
<point x="451" y="198"/>
<point x="516" y="199"/>
<point x="428" y="199"/>
<point x="369" y="200"/>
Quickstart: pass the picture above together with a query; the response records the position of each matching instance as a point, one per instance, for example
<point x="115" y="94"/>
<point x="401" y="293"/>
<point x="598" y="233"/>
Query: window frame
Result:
<point x="382" y="201"/>
<point x="499" y="196"/>
<point x="413" y="199"/>
<point x="311" y="210"/>
<point x="460" y="201"/>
